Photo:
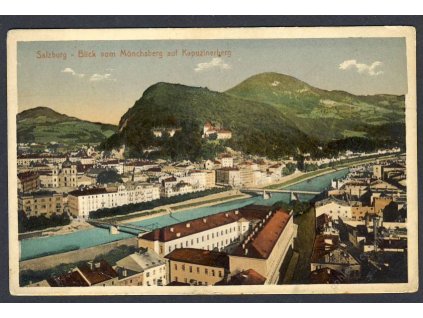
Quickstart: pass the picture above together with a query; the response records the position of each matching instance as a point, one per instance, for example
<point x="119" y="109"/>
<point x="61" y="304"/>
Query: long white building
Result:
<point x="213" y="232"/>
<point x="82" y="201"/>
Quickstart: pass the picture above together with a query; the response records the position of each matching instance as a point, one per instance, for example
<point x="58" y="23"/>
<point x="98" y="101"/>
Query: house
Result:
<point x="143" y="268"/>
<point x="228" y="176"/>
<point x="40" y="203"/>
<point x="197" y="266"/>
<point x="227" y="161"/>
<point x="334" y="208"/>
<point x="28" y="181"/>
<point x="266" y="246"/>
<point x="211" y="130"/>
<point x="93" y="273"/>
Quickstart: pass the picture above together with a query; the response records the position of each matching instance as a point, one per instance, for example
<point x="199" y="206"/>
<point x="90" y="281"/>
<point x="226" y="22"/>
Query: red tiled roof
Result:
<point x="72" y="279"/>
<point x="261" y="245"/>
<point x="248" y="277"/>
<point x="101" y="271"/>
<point x="165" y="234"/>
<point x="200" y="257"/>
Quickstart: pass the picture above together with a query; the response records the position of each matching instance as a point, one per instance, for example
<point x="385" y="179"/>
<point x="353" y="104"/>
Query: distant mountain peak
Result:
<point x="42" y="124"/>
<point x="40" y="111"/>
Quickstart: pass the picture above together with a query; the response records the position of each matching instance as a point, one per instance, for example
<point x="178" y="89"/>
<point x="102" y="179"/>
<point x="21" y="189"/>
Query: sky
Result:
<point x="103" y="88"/>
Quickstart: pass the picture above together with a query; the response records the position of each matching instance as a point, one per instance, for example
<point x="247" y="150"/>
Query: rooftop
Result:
<point x="72" y="279"/>
<point x="183" y="229"/>
<point x="140" y="261"/>
<point x="247" y="277"/>
<point x="89" y="191"/>
<point x="200" y="257"/>
<point x="27" y="175"/>
<point x="261" y="244"/>
<point x="97" y="272"/>
<point x="326" y="250"/>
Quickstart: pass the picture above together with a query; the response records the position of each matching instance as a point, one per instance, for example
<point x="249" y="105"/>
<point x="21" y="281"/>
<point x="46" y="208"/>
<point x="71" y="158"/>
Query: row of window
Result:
<point x="206" y="270"/>
<point x="212" y="246"/>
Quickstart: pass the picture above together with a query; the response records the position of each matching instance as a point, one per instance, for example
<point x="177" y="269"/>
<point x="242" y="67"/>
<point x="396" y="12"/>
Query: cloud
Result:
<point x="96" y="77"/>
<point x="368" y="69"/>
<point x="216" y="62"/>
<point x="101" y="77"/>
<point x="72" y="72"/>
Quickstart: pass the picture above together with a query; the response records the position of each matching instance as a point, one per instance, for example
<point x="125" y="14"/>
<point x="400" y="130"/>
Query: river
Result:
<point x="41" y="246"/>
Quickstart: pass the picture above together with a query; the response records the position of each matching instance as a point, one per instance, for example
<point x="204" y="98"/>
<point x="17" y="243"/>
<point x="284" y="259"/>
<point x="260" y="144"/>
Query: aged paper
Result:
<point x="212" y="161"/>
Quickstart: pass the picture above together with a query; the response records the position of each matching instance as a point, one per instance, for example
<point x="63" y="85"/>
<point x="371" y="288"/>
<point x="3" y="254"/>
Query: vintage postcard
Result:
<point x="212" y="161"/>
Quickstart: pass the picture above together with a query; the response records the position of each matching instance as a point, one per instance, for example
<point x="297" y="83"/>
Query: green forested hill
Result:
<point x="322" y="114"/>
<point x="43" y="125"/>
<point x="257" y="128"/>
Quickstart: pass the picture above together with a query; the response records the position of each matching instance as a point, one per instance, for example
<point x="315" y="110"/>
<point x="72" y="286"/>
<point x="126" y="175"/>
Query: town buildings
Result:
<point x="330" y="253"/>
<point x="41" y="203"/>
<point x="362" y="226"/>
<point x="82" y="201"/>
<point x="212" y="249"/>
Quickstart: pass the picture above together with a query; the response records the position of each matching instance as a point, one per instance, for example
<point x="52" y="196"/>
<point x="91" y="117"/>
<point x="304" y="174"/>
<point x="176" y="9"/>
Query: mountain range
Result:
<point x="269" y="114"/>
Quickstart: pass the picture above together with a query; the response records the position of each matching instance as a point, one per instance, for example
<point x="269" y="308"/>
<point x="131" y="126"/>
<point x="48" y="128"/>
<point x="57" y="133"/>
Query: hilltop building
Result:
<point x="209" y="129"/>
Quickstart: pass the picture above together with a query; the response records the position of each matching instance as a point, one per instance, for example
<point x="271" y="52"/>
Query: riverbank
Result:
<point x="79" y="255"/>
<point x="206" y="201"/>
<point x="74" y="226"/>
<point x="78" y="225"/>
<point x="57" y="244"/>
<point x="300" y="177"/>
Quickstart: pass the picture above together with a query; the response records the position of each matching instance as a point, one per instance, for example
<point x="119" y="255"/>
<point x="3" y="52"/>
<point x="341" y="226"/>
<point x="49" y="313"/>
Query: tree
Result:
<point x="108" y="176"/>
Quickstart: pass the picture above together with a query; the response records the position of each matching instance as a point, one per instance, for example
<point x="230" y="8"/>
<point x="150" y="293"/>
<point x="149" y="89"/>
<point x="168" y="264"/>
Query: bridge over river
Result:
<point x="258" y="190"/>
<point x="117" y="227"/>
<point x="55" y="244"/>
